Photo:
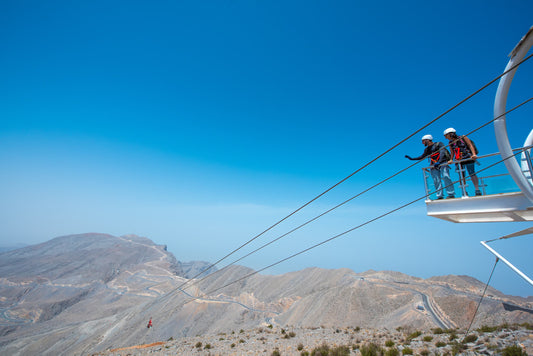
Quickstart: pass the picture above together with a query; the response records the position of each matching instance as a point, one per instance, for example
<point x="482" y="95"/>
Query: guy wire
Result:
<point x="481" y="299"/>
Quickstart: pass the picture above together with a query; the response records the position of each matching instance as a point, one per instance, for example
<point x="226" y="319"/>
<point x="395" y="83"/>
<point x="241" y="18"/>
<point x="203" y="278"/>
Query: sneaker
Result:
<point x="478" y="192"/>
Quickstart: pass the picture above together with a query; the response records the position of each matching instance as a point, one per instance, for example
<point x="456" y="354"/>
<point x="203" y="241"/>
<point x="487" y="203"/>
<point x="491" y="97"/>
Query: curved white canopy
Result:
<point x="500" y="127"/>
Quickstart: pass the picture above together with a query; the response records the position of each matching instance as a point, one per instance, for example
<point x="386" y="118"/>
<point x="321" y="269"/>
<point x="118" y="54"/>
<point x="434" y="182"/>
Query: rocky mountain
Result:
<point x="86" y="293"/>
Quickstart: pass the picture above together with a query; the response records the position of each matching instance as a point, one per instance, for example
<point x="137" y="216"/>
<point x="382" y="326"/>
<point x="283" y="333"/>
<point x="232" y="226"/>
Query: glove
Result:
<point x="408" y="157"/>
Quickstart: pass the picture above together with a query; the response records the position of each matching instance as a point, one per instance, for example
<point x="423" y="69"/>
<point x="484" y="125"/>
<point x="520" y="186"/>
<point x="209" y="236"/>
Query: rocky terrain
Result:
<point x="269" y="340"/>
<point x="92" y="293"/>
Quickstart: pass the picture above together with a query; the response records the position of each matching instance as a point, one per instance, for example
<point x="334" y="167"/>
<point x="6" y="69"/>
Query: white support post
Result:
<point x="507" y="262"/>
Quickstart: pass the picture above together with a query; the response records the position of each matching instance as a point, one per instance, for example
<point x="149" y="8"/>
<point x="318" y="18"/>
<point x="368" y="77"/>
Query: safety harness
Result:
<point x="435" y="156"/>
<point x="460" y="149"/>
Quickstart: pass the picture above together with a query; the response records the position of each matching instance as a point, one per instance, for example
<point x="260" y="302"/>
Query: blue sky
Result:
<point x="200" y="124"/>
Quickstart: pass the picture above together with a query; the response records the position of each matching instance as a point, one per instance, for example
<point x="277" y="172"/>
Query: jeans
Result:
<point x="439" y="175"/>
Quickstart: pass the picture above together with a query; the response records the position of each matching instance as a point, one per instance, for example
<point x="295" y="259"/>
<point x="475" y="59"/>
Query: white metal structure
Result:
<point x="503" y="207"/>
<point x="500" y="129"/>
<point x="503" y="259"/>
<point x="498" y="206"/>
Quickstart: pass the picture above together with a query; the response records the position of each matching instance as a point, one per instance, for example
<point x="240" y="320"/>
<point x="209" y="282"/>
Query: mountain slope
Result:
<point x="78" y="279"/>
<point x="85" y="293"/>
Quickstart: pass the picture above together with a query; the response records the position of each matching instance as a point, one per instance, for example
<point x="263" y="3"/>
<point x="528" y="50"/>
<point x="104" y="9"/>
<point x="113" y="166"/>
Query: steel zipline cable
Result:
<point x="346" y="201"/>
<point x="352" y="198"/>
<point x="351" y="175"/>
<point x="338" y="235"/>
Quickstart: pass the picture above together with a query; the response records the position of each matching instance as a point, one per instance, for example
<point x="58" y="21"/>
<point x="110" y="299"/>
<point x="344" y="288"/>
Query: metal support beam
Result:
<point x="507" y="262"/>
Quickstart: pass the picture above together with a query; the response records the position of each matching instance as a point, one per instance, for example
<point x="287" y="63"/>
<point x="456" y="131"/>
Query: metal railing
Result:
<point x="495" y="180"/>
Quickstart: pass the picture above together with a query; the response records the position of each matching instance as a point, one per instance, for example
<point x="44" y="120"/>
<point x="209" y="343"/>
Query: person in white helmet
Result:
<point x="463" y="150"/>
<point x="438" y="157"/>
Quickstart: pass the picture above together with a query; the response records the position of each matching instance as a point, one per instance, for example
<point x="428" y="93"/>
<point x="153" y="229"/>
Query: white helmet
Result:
<point x="427" y="137"/>
<point x="449" y="130"/>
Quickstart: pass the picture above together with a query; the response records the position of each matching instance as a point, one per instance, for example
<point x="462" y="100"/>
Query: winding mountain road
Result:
<point x="439" y="320"/>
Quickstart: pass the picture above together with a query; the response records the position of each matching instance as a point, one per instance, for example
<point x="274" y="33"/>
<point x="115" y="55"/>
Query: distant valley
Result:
<point x="11" y="247"/>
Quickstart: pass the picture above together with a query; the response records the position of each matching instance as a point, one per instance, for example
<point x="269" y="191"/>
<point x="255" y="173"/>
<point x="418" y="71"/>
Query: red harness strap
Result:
<point x="434" y="157"/>
<point x="457" y="153"/>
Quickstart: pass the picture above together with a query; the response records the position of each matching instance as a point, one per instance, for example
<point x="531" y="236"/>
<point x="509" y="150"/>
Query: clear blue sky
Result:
<point x="199" y="124"/>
